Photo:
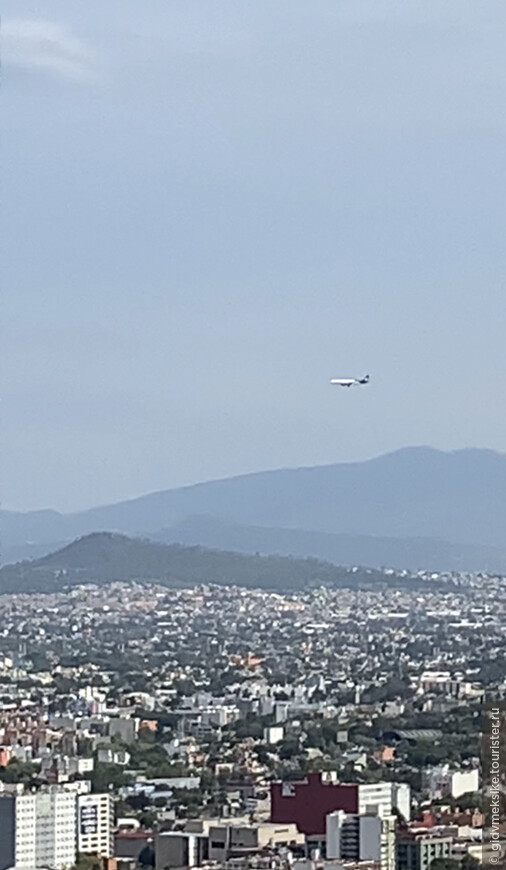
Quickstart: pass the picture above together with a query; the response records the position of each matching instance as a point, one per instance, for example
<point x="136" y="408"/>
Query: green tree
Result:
<point x="19" y="772"/>
<point x="106" y="776"/>
<point x="470" y="801"/>
<point x="289" y="749"/>
<point x="251" y="726"/>
<point x="148" y="818"/>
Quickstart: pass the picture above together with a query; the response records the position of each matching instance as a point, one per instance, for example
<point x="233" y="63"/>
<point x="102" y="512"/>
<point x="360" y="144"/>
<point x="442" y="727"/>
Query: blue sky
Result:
<point x="212" y="208"/>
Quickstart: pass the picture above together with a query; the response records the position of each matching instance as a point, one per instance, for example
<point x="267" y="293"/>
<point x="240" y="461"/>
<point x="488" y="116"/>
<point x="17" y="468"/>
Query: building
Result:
<point x="441" y="782"/>
<point x="95" y="824"/>
<point x="388" y="855"/>
<point x="38" y="829"/>
<point x="113" y="756"/>
<point x="17" y="830"/>
<point x="5" y="755"/>
<point x="124" y="728"/>
<point x="274" y="734"/>
<point x="464" y="781"/>
<point x="418" y="851"/>
<point x="132" y="843"/>
<point x="308" y="803"/>
<point x="369" y="837"/>
<point x="317" y="864"/>
<point x="385" y="795"/>
<point x="56" y="828"/>
<point x="229" y="840"/>
<point x="280" y="712"/>
<point x="174" y="849"/>
<point x="353" y="837"/>
<point x="384" y="755"/>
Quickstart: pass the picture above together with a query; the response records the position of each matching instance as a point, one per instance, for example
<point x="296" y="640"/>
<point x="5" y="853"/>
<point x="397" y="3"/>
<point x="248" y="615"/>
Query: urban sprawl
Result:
<point x="220" y="727"/>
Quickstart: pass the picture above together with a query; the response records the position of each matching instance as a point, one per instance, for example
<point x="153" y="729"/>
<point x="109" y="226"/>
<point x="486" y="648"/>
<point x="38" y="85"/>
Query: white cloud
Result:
<point x="46" y="45"/>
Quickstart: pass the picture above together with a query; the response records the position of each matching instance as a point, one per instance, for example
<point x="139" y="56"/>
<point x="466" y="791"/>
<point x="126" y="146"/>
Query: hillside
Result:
<point x="367" y="550"/>
<point x="415" y="493"/>
<point x="105" y="557"/>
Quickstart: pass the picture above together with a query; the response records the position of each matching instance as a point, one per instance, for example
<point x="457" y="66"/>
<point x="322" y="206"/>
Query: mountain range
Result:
<point x="415" y="508"/>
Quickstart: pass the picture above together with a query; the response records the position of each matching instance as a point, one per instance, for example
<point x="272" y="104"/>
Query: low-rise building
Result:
<point x="230" y="840"/>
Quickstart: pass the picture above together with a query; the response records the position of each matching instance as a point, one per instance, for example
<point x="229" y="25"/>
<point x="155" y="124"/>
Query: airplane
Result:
<point x="350" y="382"/>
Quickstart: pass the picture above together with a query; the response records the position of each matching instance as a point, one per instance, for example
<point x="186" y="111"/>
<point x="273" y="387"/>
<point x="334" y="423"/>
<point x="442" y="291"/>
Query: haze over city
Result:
<point x="229" y="204"/>
<point x="253" y="473"/>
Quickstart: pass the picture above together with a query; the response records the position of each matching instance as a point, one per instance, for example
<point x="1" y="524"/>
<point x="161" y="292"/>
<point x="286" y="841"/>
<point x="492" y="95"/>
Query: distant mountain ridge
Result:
<point x="368" y="551"/>
<point x="448" y="508"/>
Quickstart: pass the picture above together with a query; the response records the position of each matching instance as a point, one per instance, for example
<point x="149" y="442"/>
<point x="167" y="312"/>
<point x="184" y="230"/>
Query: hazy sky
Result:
<point x="212" y="207"/>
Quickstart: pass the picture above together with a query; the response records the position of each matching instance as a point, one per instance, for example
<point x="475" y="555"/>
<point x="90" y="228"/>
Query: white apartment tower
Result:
<point x="385" y="796"/>
<point x="55" y="830"/>
<point x="95" y="824"/>
<point x="367" y="837"/>
<point x="17" y="830"/>
<point x="38" y="830"/>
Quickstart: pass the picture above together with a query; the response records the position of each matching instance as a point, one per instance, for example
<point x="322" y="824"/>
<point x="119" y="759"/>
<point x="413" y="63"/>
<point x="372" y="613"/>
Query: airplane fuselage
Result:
<point x="350" y="382"/>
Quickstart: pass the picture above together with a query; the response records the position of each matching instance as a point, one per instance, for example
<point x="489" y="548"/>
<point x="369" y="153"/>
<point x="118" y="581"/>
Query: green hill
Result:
<point x="104" y="557"/>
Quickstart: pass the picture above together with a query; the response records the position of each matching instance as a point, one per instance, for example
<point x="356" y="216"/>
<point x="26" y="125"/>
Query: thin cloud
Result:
<point x="36" y="44"/>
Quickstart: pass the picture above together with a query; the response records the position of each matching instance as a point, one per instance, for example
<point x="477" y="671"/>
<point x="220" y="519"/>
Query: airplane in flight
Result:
<point x="350" y="382"/>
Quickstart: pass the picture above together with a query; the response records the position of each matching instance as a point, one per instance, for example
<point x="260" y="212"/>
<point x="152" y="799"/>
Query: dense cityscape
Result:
<point x="223" y="726"/>
<point x="252" y="428"/>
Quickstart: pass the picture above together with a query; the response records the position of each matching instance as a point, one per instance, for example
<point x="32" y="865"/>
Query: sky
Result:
<point x="209" y="209"/>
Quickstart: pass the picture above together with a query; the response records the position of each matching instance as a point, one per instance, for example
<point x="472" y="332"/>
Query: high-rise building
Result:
<point x="418" y="851"/>
<point x="95" y="824"/>
<point x="17" y="830"/>
<point x="55" y="828"/>
<point x="367" y="837"/>
<point x="38" y="829"/>
<point x="385" y="795"/>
